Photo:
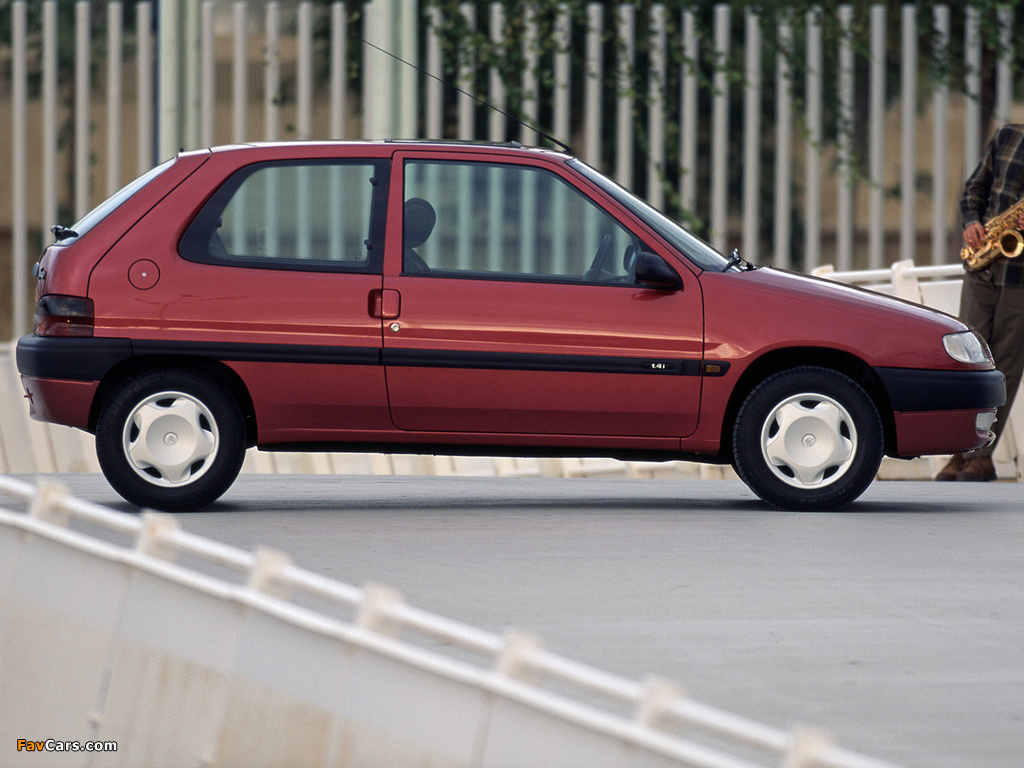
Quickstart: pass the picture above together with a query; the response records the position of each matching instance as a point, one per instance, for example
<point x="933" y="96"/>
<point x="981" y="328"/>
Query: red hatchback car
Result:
<point x="467" y="299"/>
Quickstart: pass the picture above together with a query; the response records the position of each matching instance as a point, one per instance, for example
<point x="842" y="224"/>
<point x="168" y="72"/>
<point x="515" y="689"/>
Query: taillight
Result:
<point x="64" y="316"/>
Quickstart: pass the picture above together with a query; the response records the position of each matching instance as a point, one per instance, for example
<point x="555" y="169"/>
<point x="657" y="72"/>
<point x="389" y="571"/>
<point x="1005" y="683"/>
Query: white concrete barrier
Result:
<point x="127" y="632"/>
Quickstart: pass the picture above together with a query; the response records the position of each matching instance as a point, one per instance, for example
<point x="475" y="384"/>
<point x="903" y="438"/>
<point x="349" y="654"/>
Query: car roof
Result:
<point x="382" y="148"/>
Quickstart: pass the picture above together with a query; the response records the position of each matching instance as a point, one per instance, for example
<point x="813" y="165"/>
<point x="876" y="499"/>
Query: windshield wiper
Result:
<point x="61" y="232"/>
<point x="735" y="260"/>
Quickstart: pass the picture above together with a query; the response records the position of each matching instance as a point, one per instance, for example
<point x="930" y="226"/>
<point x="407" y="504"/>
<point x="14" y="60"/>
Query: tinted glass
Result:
<point x="695" y="249"/>
<point x="511" y="221"/>
<point x="289" y="215"/>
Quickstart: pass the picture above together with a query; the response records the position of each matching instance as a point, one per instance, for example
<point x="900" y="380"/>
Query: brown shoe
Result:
<point x="978" y="470"/>
<point x="949" y="472"/>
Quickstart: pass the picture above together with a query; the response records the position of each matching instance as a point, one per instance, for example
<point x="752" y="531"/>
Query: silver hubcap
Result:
<point x="170" y="439"/>
<point x="809" y="440"/>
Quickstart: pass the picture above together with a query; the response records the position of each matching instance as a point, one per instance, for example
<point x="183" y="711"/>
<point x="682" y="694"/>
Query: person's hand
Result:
<point x="974" y="234"/>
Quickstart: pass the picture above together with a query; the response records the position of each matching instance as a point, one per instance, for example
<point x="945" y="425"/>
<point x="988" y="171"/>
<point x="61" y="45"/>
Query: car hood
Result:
<point x="768" y="308"/>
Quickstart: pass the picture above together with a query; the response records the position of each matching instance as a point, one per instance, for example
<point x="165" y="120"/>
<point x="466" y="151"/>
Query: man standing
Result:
<point x="992" y="298"/>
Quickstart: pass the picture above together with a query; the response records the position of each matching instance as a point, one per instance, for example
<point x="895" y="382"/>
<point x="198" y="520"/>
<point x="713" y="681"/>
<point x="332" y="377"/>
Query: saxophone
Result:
<point x="1002" y="238"/>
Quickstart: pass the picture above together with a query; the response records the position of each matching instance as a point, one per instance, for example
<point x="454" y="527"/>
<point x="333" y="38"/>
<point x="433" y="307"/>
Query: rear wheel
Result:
<point x="808" y="438"/>
<point x="171" y="440"/>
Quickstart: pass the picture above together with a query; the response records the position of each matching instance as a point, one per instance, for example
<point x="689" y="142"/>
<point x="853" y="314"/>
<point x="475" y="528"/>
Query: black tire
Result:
<point x="808" y="438"/>
<point x="171" y="440"/>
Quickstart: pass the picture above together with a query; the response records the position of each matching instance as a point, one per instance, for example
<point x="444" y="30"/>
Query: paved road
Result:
<point x="897" y="625"/>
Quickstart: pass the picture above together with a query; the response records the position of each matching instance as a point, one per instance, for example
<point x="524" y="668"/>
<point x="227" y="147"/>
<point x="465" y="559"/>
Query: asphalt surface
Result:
<point x="897" y="625"/>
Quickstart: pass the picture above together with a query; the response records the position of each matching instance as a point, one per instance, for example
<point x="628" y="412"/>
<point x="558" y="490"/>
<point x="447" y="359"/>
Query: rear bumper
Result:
<point x="936" y="412"/>
<point x="61" y="375"/>
<point x="71" y="359"/>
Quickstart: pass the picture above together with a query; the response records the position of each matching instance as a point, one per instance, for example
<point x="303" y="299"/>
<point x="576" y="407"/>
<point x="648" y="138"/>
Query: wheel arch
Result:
<point x="822" y="357"/>
<point x="218" y="372"/>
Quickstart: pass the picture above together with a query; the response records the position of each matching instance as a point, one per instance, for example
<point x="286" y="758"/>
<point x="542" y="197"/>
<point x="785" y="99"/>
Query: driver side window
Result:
<point x="493" y="220"/>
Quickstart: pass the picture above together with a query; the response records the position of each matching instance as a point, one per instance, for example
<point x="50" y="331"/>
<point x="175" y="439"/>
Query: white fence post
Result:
<point x="240" y="72"/>
<point x="495" y="85"/>
<point x="656" y="107"/>
<point x="908" y="132"/>
<point x="972" y="88"/>
<point x="625" y="32"/>
<point x="1004" y="64"/>
<point x="19" y="166"/>
<point x="115" y="96"/>
<point x="844" y="142"/>
<point x="688" y="118"/>
<point x="876" y="139"/>
<point x="752" y="140"/>
<point x="593" y="73"/>
<point x="339" y="74"/>
<point x="49" y="126"/>
<point x="783" y="248"/>
<point x="207" y="76"/>
<point x="720" y="129"/>
<point x="144" y="66"/>
<point x="467" y="71"/>
<point x="940" y="143"/>
<point x="272" y="71"/>
<point x="812" y="175"/>
<point x="83" y="102"/>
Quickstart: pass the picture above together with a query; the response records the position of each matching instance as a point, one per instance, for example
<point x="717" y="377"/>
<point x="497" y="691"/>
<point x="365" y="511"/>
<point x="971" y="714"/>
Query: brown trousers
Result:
<point x="997" y="313"/>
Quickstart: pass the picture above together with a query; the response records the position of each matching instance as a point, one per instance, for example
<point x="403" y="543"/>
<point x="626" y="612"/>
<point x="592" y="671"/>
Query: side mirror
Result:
<point x="654" y="271"/>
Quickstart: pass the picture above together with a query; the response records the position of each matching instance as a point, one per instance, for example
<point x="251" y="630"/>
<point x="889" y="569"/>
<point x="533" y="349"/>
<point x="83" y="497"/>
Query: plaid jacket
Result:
<point x="998" y="181"/>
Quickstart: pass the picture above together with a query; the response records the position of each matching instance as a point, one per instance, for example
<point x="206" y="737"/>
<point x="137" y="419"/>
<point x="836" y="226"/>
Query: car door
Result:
<point x="278" y="272"/>
<point x="515" y="310"/>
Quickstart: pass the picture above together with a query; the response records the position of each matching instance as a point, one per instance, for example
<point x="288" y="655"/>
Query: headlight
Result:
<point x="967" y="347"/>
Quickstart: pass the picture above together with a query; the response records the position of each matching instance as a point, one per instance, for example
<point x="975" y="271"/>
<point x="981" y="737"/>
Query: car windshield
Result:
<point x="104" y="209"/>
<point x="692" y="247"/>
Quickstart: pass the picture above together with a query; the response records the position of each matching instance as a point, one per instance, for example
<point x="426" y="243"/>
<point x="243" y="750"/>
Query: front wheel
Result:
<point x="808" y="438"/>
<point x="171" y="440"/>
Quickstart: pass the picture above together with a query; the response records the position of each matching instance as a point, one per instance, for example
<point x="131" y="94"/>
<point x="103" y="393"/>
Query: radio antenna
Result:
<point x="561" y="144"/>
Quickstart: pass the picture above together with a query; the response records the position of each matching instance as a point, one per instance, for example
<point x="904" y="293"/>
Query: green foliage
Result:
<point x="939" y="63"/>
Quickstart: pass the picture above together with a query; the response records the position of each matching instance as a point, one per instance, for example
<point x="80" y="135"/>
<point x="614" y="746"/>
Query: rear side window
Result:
<point x="294" y="215"/>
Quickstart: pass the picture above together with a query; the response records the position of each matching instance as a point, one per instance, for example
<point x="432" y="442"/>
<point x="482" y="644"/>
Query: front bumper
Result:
<point x="936" y="412"/>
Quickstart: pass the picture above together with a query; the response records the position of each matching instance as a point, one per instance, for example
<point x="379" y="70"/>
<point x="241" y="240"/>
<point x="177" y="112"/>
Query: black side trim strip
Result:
<point x="73" y="359"/>
<point x="539" y="362"/>
<point x="89" y="359"/>
<point x="917" y="390"/>
<point x="269" y="353"/>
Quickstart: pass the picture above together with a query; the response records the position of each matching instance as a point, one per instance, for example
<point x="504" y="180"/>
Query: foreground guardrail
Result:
<point x="126" y="630"/>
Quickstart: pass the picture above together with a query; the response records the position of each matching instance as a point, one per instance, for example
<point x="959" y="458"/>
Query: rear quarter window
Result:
<point x="311" y="215"/>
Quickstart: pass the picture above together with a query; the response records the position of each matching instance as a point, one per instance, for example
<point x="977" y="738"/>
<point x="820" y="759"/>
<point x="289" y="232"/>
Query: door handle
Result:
<point x="385" y="303"/>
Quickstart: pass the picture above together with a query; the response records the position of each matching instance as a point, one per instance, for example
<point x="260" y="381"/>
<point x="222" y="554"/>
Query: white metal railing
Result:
<point x="905" y="280"/>
<point x="284" y="33"/>
<point x="514" y="667"/>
